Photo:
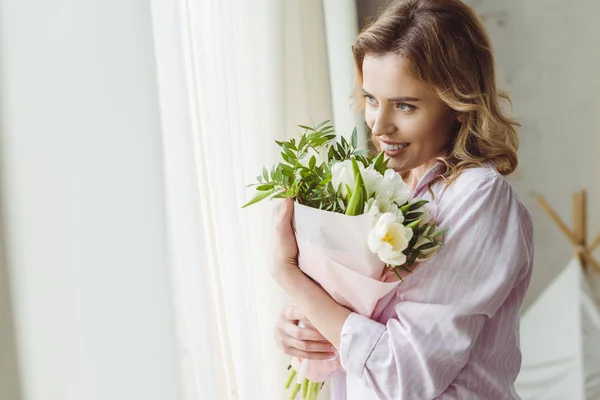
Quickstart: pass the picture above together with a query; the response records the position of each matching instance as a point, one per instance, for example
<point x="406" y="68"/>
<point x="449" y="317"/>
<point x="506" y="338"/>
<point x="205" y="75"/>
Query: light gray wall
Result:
<point x="83" y="198"/>
<point x="548" y="59"/>
<point x="9" y="369"/>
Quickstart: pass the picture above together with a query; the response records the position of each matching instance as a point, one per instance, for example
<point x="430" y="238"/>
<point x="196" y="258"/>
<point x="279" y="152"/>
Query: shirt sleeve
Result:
<point x="445" y="303"/>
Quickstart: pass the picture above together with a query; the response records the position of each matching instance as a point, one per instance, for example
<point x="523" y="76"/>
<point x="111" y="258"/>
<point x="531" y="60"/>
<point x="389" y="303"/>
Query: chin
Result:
<point x="397" y="165"/>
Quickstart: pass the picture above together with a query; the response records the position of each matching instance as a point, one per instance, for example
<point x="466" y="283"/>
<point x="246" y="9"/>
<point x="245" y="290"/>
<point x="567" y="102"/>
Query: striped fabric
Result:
<point x="451" y="330"/>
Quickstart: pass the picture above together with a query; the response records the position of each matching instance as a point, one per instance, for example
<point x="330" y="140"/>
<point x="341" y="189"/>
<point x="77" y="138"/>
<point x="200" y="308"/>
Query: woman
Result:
<point x="451" y="330"/>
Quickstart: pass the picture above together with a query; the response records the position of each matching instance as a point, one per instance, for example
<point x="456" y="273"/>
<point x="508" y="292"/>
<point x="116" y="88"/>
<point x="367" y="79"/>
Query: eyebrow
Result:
<point x="402" y="98"/>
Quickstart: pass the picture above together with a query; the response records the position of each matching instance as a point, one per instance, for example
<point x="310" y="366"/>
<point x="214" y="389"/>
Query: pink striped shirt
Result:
<point x="451" y="329"/>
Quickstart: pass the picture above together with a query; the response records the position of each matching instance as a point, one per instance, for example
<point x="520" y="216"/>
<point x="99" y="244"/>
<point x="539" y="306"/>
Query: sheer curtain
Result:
<point x="233" y="77"/>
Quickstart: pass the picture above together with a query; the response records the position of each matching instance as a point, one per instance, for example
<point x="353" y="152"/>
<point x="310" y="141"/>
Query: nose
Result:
<point x="383" y="123"/>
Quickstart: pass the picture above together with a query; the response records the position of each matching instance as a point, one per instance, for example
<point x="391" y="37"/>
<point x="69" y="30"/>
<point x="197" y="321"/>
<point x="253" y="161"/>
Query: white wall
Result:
<point x="83" y="200"/>
<point x="548" y="57"/>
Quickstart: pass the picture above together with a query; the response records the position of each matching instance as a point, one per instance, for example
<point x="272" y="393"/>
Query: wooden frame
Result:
<point x="578" y="235"/>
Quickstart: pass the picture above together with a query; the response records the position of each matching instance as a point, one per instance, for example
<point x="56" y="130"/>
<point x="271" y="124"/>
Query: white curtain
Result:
<point x="233" y="77"/>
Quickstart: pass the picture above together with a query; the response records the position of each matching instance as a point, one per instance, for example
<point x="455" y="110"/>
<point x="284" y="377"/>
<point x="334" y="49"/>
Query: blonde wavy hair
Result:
<point x="447" y="48"/>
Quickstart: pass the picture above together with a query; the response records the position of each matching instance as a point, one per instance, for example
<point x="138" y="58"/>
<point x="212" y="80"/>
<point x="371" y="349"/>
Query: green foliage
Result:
<point x="309" y="182"/>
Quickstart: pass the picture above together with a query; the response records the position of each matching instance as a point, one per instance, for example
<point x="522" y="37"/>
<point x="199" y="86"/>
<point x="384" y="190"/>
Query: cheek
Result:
<point x="429" y="131"/>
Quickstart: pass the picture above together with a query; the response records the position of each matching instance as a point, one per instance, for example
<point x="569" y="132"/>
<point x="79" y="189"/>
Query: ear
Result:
<point x="460" y="117"/>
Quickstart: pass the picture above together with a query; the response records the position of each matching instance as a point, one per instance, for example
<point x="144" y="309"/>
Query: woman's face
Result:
<point x="411" y="124"/>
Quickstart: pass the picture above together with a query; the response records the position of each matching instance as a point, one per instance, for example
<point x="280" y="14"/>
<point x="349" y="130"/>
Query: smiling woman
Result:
<point x="426" y="82"/>
<point x="425" y="78"/>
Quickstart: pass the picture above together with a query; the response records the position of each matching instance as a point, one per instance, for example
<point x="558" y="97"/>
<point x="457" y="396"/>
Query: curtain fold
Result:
<point x="234" y="77"/>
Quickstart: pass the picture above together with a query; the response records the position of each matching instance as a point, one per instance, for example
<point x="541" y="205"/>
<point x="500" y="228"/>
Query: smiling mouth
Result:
<point x="392" y="147"/>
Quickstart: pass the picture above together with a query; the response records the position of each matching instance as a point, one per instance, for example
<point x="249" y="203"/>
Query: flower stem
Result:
<point x="295" y="391"/>
<point x="311" y="391"/>
<point x="397" y="274"/>
<point x="290" y="377"/>
<point x="304" y="387"/>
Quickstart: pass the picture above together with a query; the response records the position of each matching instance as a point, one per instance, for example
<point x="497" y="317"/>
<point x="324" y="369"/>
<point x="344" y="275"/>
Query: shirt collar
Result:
<point x="433" y="172"/>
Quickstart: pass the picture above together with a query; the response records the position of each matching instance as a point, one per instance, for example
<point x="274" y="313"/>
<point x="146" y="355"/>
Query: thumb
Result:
<point x="286" y="213"/>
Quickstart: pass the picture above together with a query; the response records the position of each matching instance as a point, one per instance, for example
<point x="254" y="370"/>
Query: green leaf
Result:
<point x="260" y="195"/>
<point x="302" y="143"/>
<point x="325" y="181"/>
<point x="354" y="139"/>
<point x="356" y="203"/>
<point x="421" y="230"/>
<point x="312" y="162"/>
<point x="431" y="229"/>
<point x="414" y="224"/>
<point x="416" y="205"/>
<point x="412" y="216"/>
<point x="279" y="173"/>
<point x="379" y="163"/>
<point x="287" y="170"/>
<point x="292" y="145"/>
<point x="426" y="246"/>
<point x="323" y="123"/>
<point x="308" y="128"/>
<point x="264" y="187"/>
<point x="344" y="142"/>
<point x="289" y="159"/>
<point x="335" y="155"/>
<point x="441" y="234"/>
<point x="265" y="173"/>
<point x="348" y="190"/>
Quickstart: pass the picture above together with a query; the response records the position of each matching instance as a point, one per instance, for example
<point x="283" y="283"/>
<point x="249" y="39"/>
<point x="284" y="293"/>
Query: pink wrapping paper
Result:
<point x="333" y="251"/>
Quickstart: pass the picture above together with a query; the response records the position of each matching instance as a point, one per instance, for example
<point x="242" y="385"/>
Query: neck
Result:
<point x="413" y="176"/>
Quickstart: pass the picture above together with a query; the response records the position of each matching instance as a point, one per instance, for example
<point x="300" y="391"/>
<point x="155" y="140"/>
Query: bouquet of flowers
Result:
<point x="355" y="222"/>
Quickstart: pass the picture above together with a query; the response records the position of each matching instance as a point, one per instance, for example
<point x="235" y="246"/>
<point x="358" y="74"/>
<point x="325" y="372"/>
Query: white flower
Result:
<point x="393" y="188"/>
<point x="372" y="179"/>
<point x="376" y="207"/>
<point x="389" y="238"/>
<point x="321" y="156"/>
<point x="342" y="174"/>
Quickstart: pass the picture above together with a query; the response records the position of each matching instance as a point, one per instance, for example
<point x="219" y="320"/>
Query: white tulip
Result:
<point x="342" y="174"/>
<point x="376" y="207"/>
<point x="372" y="179"/>
<point x="389" y="238"/>
<point x="393" y="188"/>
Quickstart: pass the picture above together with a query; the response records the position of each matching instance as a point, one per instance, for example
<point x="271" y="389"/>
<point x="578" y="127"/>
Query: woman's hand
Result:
<point x="286" y="248"/>
<point x="300" y="342"/>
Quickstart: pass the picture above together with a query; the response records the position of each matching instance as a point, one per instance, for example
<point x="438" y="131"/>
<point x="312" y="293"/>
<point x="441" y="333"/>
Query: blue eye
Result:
<point x="370" y="99"/>
<point x="405" y="107"/>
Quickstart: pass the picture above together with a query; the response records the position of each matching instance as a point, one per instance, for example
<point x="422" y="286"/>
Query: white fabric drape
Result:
<point x="233" y="76"/>
<point x="560" y="341"/>
<point x="341" y="27"/>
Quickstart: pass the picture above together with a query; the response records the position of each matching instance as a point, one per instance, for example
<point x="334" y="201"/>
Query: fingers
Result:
<point x="291" y="351"/>
<point x="292" y="313"/>
<point x="301" y="342"/>
<point x="303" y="334"/>
<point x="295" y="316"/>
